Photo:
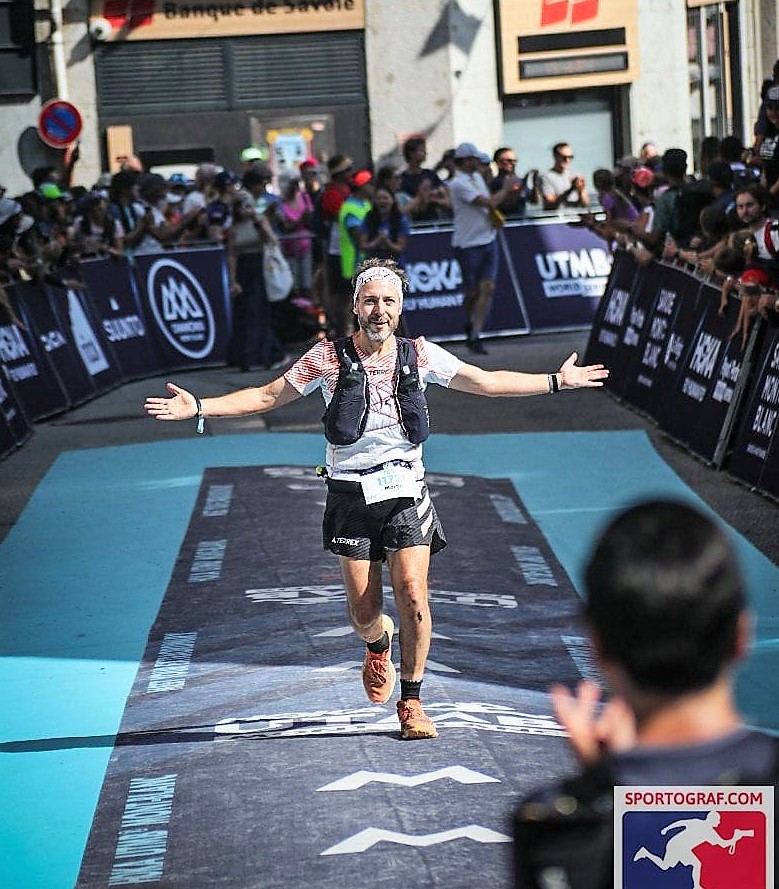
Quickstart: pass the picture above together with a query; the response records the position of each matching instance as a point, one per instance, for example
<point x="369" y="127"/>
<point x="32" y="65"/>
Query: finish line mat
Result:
<point x="248" y="755"/>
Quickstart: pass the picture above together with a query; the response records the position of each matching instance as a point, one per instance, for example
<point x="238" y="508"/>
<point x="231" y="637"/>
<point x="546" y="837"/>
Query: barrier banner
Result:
<point x="25" y="363"/>
<point x="123" y="322"/>
<point x="57" y="343"/>
<point x="613" y="316"/>
<point x="77" y="319"/>
<point x="7" y="441"/>
<point x="433" y="306"/>
<point x="630" y="348"/>
<point x="14" y="426"/>
<point x="668" y="298"/>
<point x="551" y="276"/>
<point x="561" y="272"/>
<point x="698" y="412"/>
<point x="186" y="296"/>
<point x="755" y="457"/>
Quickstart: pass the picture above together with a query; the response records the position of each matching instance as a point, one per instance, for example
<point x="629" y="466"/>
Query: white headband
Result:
<point x="381" y="273"/>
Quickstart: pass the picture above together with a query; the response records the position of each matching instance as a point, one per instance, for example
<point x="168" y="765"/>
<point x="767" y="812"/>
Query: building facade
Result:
<point x="177" y="83"/>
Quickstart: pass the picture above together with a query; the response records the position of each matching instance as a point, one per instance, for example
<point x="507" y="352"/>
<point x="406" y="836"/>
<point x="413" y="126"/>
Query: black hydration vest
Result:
<point x="347" y="413"/>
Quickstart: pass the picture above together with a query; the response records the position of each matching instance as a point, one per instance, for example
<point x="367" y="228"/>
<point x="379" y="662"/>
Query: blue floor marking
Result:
<point x="84" y="570"/>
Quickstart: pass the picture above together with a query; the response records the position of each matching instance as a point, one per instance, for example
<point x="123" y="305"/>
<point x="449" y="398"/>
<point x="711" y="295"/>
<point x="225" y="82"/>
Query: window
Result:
<point x="17" y="49"/>
<point x="708" y="53"/>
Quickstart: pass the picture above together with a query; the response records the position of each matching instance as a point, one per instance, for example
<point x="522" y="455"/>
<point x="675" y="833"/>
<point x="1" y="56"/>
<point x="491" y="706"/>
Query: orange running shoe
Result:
<point x="415" y="724"/>
<point x="378" y="671"/>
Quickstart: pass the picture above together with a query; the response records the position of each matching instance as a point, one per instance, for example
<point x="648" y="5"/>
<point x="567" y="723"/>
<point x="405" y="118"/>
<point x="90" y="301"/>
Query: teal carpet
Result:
<point x="83" y="572"/>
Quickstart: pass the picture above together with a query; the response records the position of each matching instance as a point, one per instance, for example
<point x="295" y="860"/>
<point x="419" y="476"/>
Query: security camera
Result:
<point x="100" y="29"/>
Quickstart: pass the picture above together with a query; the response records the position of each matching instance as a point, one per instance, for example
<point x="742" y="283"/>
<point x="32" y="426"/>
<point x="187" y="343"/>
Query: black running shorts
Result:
<point x="353" y="528"/>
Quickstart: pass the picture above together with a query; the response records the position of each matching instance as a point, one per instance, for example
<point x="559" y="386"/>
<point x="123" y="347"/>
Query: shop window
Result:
<point x="17" y="49"/>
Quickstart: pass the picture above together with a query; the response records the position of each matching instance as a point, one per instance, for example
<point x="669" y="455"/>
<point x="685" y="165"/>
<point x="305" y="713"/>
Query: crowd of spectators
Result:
<point x="722" y="224"/>
<point x="328" y="216"/>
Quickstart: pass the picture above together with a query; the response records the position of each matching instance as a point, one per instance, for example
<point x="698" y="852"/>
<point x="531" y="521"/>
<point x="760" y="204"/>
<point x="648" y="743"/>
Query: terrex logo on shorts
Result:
<point x="693" y="837"/>
<point x="181" y="308"/>
<point x="553" y="12"/>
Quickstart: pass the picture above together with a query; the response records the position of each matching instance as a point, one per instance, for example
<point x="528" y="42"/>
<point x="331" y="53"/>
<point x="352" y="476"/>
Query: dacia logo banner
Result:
<point x="693" y="837"/>
<point x="181" y="308"/>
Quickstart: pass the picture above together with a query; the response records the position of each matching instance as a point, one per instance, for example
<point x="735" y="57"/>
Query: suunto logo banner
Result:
<point x="181" y="308"/>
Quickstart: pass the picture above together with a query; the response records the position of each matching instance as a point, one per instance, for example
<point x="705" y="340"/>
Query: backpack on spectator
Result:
<point x="691" y="198"/>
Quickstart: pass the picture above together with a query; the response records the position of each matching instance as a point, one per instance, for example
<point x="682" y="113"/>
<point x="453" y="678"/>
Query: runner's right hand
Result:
<point x="182" y="406"/>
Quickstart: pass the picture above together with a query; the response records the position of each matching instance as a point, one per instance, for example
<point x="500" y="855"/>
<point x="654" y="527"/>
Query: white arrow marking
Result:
<point x="343" y="667"/>
<point x="439" y="668"/>
<point x="363" y="840"/>
<point x="456" y="773"/>
<point x="348" y="631"/>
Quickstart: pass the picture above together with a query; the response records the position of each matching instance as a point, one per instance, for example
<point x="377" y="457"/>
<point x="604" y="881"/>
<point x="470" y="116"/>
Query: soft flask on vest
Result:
<point x="347" y="413"/>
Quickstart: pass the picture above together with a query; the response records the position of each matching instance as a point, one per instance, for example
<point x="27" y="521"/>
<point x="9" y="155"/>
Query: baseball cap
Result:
<point x="757" y="276"/>
<point x="339" y="163"/>
<point x="50" y="191"/>
<point x="362" y="177"/>
<point x="772" y="96"/>
<point x="642" y="177"/>
<point x="310" y="163"/>
<point x="466" y="149"/>
<point x="252" y="154"/>
<point x="483" y="157"/>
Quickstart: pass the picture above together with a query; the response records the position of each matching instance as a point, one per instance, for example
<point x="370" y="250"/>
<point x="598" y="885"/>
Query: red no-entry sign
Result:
<point x="59" y="123"/>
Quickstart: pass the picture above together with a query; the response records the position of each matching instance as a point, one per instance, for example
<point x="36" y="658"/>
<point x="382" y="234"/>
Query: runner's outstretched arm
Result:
<point x="183" y="405"/>
<point x="508" y="382"/>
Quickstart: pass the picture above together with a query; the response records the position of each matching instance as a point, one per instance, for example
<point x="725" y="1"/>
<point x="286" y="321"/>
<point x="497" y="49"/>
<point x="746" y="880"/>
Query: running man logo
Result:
<point x="555" y="12"/>
<point x="181" y="308"/>
<point x="724" y="840"/>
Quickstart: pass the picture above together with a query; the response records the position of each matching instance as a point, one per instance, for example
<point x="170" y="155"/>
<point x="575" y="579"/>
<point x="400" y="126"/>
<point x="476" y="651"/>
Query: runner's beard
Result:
<point x="377" y="336"/>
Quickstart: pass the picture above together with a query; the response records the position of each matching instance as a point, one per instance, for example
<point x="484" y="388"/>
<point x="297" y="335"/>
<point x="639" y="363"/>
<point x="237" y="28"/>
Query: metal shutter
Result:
<point x="175" y="76"/>
<point x="300" y="69"/>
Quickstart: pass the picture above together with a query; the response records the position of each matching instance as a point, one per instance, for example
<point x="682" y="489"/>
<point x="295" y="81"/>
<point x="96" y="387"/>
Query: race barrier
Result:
<point x="61" y="346"/>
<point x="673" y="357"/>
<point x="551" y="276"/>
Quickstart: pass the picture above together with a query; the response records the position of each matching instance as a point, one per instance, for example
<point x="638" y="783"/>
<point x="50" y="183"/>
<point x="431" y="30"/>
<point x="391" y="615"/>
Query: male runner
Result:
<point x="377" y="505"/>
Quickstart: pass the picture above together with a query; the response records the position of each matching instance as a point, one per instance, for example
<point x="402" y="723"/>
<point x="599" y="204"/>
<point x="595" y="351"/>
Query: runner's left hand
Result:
<point x="573" y="377"/>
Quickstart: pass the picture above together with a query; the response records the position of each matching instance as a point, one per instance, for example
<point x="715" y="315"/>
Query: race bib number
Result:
<point x="389" y="482"/>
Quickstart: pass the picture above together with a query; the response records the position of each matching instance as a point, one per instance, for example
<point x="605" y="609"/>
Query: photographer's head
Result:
<point x="665" y="599"/>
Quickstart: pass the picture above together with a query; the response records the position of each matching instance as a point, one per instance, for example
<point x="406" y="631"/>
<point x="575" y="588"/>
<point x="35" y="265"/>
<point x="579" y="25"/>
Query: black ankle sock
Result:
<point x="380" y="645"/>
<point x="409" y="689"/>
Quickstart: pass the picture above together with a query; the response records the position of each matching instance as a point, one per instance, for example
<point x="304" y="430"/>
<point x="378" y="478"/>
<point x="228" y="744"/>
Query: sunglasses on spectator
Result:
<point x="565" y="157"/>
<point x="507" y="160"/>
